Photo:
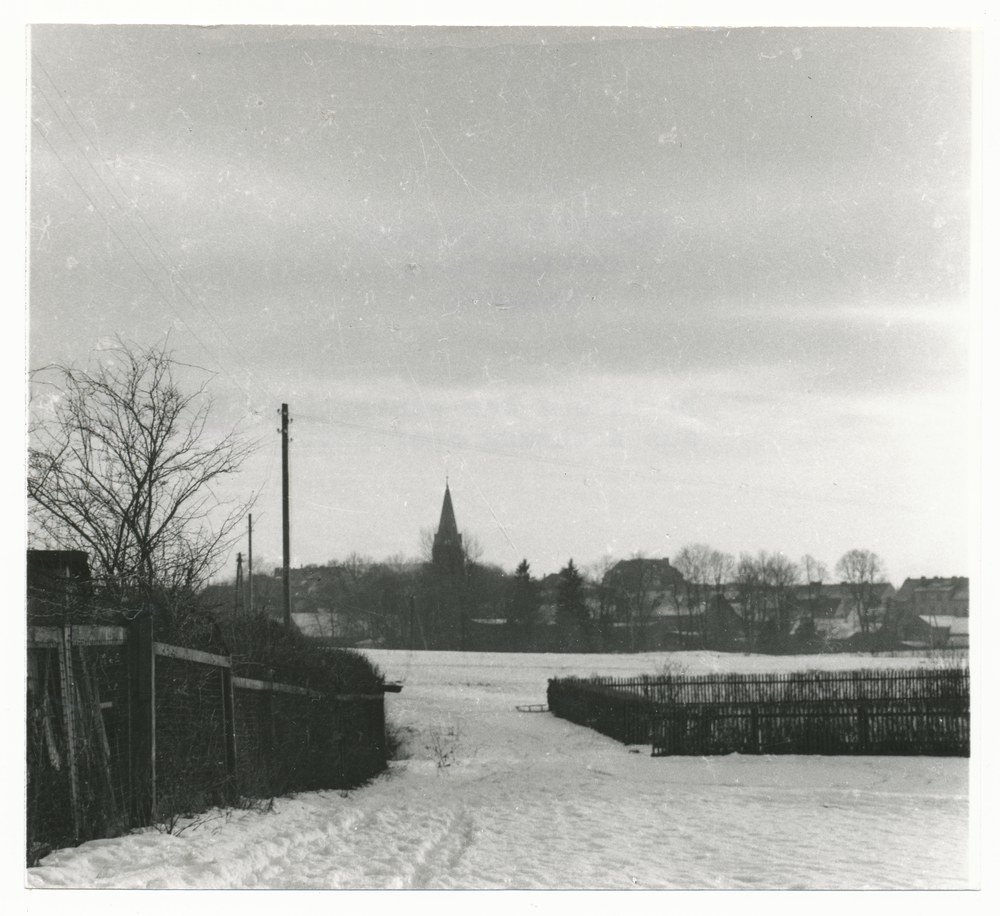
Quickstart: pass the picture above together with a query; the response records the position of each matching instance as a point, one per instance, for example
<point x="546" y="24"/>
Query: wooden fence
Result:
<point x="124" y="731"/>
<point x="912" y="712"/>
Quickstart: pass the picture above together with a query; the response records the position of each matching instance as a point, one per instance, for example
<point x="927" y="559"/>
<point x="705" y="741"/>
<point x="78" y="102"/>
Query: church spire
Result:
<point x="447" y="553"/>
<point x="447" y="527"/>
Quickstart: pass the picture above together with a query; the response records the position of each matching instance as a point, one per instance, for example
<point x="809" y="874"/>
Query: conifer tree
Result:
<point x="523" y="607"/>
<point x="572" y="612"/>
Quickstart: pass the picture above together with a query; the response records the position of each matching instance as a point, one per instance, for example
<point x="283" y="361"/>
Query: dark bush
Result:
<point x="263" y="648"/>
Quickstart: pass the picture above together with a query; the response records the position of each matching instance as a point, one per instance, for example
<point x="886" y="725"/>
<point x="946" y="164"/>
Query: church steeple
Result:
<point x="447" y="553"/>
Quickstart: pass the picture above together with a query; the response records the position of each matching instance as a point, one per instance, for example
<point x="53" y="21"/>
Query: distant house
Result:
<point x="958" y="632"/>
<point x="653" y="576"/>
<point x="651" y="597"/>
<point x="934" y="632"/>
<point x="643" y="588"/>
<point x="675" y="617"/>
<point x="313" y="625"/>
<point x="643" y="601"/>
<point x="835" y="628"/>
<point x="548" y="593"/>
<point x="930" y="613"/>
<point x="832" y="610"/>
<point x="323" y="604"/>
<point x="822" y="600"/>
<point x="938" y="596"/>
<point x="329" y="627"/>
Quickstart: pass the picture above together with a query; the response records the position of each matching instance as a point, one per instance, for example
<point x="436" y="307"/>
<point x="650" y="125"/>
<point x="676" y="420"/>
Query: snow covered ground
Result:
<point x="489" y="797"/>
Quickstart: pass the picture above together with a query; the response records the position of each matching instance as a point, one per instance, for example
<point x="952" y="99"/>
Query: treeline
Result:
<point x="703" y="599"/>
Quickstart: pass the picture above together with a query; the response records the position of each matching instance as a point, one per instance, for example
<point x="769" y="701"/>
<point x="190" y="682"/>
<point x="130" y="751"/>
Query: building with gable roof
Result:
<point x="930" y="611"/>
<point x="945" y="596"/>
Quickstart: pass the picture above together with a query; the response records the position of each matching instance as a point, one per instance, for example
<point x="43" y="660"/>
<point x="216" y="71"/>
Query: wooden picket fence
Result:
<point x="910" y="712"/>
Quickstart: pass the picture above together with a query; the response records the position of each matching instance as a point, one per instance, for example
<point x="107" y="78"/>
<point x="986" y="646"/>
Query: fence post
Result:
<point x="142" y="720"/>
<point x="229" y="720"/>
<point x="67" y="687"/>
<point x="271" y="740"/>
<point x="862" y="727"/>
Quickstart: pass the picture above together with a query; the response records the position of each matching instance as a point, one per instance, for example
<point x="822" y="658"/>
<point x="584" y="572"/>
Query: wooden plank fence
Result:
<point x="119" y="722"/>
<point x="913" y="712"/>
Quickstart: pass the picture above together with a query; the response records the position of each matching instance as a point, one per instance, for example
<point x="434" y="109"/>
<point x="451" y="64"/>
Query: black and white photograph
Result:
<point x="488" y="457"/>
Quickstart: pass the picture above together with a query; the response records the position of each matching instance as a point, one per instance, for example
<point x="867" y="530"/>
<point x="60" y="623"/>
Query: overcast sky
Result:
<point x="626" y="289"/>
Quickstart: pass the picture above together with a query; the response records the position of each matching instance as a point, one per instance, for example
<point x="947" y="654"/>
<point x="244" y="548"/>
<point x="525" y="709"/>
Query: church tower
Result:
<point x="447" y="553"/>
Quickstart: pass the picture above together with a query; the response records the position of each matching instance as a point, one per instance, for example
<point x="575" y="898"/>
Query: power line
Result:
<point x="542" y="459"/>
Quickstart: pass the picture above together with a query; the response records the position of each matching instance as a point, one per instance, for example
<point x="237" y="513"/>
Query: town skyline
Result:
<point x="625" y="290"/>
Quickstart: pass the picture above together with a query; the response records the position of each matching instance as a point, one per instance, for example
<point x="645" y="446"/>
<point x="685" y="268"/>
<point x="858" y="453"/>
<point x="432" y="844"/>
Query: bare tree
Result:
<point x="121" y="465"/>
<point x="814" y="572"/>
<point x="472" y="549"/>
<point x="781" y="575"/>
<point x="694" y="562"/>
<point x="721" y="567"/>
<point x="426" y="544"/>
<point x="355" y="568"/>
<point x="812" y="569"/>
<point x="764" y="587"/>
<point x="751" y="594"/>
<point x="861" y="570"/>
<point x="604" y="595"/>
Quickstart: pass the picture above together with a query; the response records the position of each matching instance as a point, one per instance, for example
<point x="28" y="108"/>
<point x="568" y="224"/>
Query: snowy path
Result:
<point x="493" y="798"/>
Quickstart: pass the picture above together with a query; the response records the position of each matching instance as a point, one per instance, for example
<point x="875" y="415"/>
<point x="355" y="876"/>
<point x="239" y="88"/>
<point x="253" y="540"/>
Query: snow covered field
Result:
<point x="489" y="797"/>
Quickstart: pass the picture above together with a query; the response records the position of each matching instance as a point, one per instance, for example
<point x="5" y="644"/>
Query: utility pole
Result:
<point x="239" y="584"/>
<point x="285" y="535"/>
<point x="250" y="559"/>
